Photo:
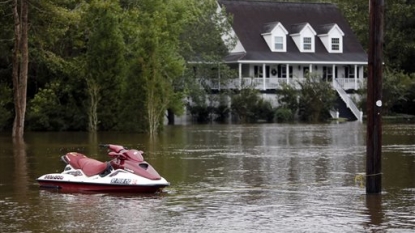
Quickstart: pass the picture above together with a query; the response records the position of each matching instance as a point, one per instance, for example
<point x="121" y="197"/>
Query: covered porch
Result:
<point x="265" y="76"/>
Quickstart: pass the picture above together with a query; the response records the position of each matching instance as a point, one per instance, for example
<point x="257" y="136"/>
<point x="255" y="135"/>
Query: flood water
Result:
<point x="224" y="178"/>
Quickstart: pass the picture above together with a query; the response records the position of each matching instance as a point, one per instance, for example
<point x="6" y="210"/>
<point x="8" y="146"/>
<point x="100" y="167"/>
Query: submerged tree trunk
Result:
<point x="157" y="101"/>
<point x="20" y="65"/>
<point x="94" y="97"/>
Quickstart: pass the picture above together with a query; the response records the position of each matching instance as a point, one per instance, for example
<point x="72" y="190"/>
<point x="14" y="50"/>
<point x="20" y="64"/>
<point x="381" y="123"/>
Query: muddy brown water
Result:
<point x="224" y="178"/>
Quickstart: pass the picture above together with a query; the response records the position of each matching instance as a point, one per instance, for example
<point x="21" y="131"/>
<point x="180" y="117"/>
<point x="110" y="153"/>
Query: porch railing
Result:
<point x="349" y="102"/>
<point x="275" y="83"/>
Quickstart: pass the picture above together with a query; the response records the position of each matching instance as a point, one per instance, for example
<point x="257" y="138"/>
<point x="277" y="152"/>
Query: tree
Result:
<point x="317" y="98"/>
<point x="399" y="30"/>
<point x="56" y="92"/>
<point x="157" y="61"/>
<point x="6" y="83"/>
<point x="288" y="103"/>
<point x="204" y="43"/>
<point x="20" y="65"/>
<point x="250" y="107"/>
<point x="399" y="46"/>
<point x="104" y="63"/>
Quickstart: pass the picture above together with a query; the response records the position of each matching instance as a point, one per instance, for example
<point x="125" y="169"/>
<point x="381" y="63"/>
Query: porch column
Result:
<point x="333" y="73"/>
<point x="355" y="77"/>
<point x="310" y="68"/>
<point x="219" y="77"/>
<point x="263" y="77"/>
<point x="240" y="75"/>
<point x="361" y="75"/>
<point x="288" y="73"/>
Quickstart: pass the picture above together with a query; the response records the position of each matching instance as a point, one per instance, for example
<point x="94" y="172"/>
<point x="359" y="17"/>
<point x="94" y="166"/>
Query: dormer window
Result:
<point x="332" y="37"/>
<point x="279" y="43"/>
<point x="275" y="35"/>
<point x="335" y="44"/>
<point x="303" y="36"/>
<point x="307" y="43"/>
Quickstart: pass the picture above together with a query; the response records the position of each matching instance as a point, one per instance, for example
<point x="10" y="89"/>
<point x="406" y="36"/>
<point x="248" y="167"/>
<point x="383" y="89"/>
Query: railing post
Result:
<point x="240" y="76"/>
<point x="264" y="85"/>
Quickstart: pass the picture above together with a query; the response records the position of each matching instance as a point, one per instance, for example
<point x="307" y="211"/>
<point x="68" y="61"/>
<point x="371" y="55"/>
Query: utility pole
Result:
<point x="374" y="99"/>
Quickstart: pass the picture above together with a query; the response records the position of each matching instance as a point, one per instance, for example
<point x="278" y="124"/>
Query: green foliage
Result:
<point x="222" y="112"/>
<point x="357" y="14"/>
<point x="202" y="113"/>
<point x="105" y="64"/>
<point x="288" y="97"/>
<point x="263" y="111"/>
<point x="6" y="106"/>
<point x="53" y="109"/>
<point x="132" y="114"/>
<point x="397" y="93"/>
<point x="216" y="110"/>
<point x="158" y="59"/>
<point x="399" y="30"/>
<point x="399" y="37"/>
<point x="43" y="111"/>
<point x="201" y="39"/>
<point x="145" y="57"/>
<point x="248" y="106"/>
<point x="394" y="89"/>
<point x="6" y="43"/>
<point x="283" y="114"/>
<point x="407" y="105"/>
<point x="317" y="98"/>
<point x="202" y="46"/>
<point x="288" y="103"/>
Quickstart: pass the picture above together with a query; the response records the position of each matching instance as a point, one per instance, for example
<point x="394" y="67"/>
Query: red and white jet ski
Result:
<point x="126" y="172"/>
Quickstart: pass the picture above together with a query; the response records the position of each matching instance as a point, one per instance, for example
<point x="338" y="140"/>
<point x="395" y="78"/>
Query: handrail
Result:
<point x="349" y="102"/>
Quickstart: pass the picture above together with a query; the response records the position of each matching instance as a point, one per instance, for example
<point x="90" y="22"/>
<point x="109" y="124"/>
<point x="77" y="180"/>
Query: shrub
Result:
<point x="316" y="99"/>
<point x="283" y="114"/>
<point x="248" y="106"/>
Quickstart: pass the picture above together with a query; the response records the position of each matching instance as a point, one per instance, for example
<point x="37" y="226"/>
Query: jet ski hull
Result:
<point x="74" y="180"/>
<point x="96" y="187"/>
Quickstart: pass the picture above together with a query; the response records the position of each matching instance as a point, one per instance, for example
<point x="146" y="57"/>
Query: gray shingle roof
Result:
<point x="269" y="26"/>
<point x="252" y="18"/>
<point x="324" y="29"/>
<point x="296" y="28"/>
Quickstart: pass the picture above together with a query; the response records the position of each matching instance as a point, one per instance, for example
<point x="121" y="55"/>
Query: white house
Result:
<point x="280" y="42"/>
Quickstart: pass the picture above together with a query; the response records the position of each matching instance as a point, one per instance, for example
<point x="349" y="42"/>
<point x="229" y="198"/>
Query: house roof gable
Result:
<point x="327" y="28"/>
<point x="269" y="27"/>
<point x="300" y="27"/>
<point x="249" y="18"/>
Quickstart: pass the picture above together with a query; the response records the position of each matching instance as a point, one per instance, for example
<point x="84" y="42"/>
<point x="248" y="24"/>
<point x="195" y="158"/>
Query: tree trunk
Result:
<point x="94" y="98"/>
<point x="20" y="65"/>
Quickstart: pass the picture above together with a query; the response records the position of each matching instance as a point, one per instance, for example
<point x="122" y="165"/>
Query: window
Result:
<point x="258" y="71"/>
<point x="282" y="71"/>
<point x="335" y="44"/>
<point x="307" y="43"/>
<point x="306" y="71"/>
<point x="279" y="43"/>
<point x="349" y="72"/>
<point x="327" y="73"/>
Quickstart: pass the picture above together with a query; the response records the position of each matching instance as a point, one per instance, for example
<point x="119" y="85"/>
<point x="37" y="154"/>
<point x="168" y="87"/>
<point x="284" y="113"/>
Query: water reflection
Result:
<point x="20" y="181"/>
<point x="376" y="215"/>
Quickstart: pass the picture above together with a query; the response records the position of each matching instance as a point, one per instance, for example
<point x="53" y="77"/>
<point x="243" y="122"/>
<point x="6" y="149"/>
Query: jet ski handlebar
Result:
<point x="114" y="148"/>
<point x="121" y="152"/>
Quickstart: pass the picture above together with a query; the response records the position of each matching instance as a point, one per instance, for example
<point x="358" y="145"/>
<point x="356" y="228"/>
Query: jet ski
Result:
<point x="125" y="172"/>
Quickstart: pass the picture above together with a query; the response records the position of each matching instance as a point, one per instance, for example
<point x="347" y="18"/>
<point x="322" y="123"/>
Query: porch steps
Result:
<point x="344" y="111"/>
<point x="348" y="102"/>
